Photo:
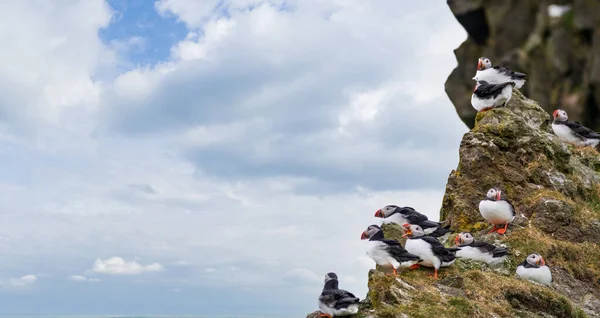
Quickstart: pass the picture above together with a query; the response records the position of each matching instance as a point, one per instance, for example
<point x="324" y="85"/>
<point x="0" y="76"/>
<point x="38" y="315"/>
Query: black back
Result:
<point x="439" y="250"/>
<point x="580" y="130"/>
<point x="488" y="91"/>
<point x="513" y="75"/>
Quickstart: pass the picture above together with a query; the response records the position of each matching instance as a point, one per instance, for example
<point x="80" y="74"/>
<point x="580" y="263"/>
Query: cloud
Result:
<point x="23" y="281"/>
<point x="79" y="278"/>
<point x="118" y="266"/>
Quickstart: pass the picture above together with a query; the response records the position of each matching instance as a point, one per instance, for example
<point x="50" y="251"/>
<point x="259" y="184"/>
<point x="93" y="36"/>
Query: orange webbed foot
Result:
<point x="494" y="229"/>
<point x="415" y="266"/>
<point x="324" y="315"/>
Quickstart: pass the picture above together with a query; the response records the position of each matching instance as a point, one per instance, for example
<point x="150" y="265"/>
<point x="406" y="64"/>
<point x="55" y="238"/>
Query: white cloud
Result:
<point x="118" y="266"/>
<point x="79" y="278"/>
<point x="23" y="281"/>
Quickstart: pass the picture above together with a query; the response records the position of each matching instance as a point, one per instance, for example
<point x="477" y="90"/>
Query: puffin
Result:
<point x="401" y="215"/>
<point x="496" y="209"/>
<point x="335" y="302"/>
<point x="487" y="96"/>
<point x="478" y="250"/>
<point x="573" y="132"/>
<point x="534" y="268"/>
<point x="429" y="249"/>
<point x="497" y="74"/>
<point x="385" y="252"/>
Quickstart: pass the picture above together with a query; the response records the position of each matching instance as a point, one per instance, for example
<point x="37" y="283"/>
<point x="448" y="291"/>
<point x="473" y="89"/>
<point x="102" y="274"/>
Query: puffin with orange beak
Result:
<point x="496" y="209"/>
<point x="573" y="132"/>
<point x="497" y="74"/>
<point x="401" y="215"/>
<point x="479" y="250"/>
<point x="429" y="249"/>
<point x="385" y="252"/>
<point x="534" y="269"/>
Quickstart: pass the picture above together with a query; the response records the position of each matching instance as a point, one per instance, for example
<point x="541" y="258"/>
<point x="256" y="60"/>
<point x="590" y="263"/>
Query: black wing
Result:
<point x="487" y="91"/>
<point x="483" y="246"/>
<point x="427" y="224"/>
<point x="395" y="249"/>
<point x="514" y="75"/>
<point x="440" y="231"/>
<point x="412" y="216"/>
<point x="582" y="130"/>
<point x="338" y="298"/>
<point x="439" y="250"/>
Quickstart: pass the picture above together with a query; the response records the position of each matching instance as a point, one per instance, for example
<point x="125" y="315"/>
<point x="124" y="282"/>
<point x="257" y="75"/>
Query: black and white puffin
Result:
<point x="534" y="268"/>
<point x="497" y="74"/>
<point x="496" y="209"/>
<point x="573" y="132"/>
<point x="401" y="215"/>
<point x="487" y="96"/>
<point x="335" y="302"/>
<point x="385" y="252"/>
<point x="478" y="250"/>
<point x="429" y="249"/>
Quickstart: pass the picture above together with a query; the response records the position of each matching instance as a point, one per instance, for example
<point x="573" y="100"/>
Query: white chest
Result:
<point x="496" y="212"/>
<point x="540" y="275"/>
<point x="395" y="218"/>
<point x="474" y="254"/>
<point x="423" y="250"/>
<point x="565" y="134"/>
<point x="377" y="252"/>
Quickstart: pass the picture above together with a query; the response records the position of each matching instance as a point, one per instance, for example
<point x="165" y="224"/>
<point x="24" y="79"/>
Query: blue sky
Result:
<point x="182" y="156"/>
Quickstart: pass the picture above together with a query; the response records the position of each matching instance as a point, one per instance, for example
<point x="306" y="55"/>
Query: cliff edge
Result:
<point x="555" y="189"/>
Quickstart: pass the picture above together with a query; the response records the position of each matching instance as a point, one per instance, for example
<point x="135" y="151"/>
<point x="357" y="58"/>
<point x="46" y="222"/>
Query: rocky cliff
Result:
<point x="556" y="191"/>
<point x="558" y="47"/>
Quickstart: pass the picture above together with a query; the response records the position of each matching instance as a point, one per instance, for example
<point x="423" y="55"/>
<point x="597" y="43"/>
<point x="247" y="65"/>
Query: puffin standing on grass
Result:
<point x="387" y="253"/>
<point x="335" y="302"/>
<point x="573" y="132"/>
<point x="487" y="96"/>
<point x="401" y="215"/>
<point x="496" y="209"/>
<point x="479" y="250"/>
<point x="497" y="74"/>
<point x="534" y="268"/>
<point x="429" y="249"/>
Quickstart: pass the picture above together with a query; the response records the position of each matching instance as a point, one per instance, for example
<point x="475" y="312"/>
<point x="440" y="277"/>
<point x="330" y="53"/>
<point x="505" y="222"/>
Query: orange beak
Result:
<point x="555" y="114"/>
<point x="458" y="240"/>
<point x="480" y="65"/>
<point x="498" y="195"/>
<point x="364" y="236"/>
<point x="407" y="229"/>
<point x="379" y="214"/>
<point x="541" y="262"/>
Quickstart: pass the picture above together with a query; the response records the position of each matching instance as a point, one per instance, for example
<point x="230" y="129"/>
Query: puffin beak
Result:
<point x="480" y="65"/>
<point x="555" y="114"/>
<point x="498" y="195"/>
<point x="379" y="214"/>
<point x="541" y="262"/>
<point x="458" y="240"/>
<point x="364" y="236"/>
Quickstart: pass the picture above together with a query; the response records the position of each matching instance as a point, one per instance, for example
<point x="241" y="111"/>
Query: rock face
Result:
<point x="560" y="54"/>
<point x="555" y="189"/>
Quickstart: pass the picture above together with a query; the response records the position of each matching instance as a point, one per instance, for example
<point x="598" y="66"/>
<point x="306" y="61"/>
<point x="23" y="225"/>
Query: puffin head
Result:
<point x="536" y="260"/>
<point x="386" y="211"/>
<point x="463" y="238"/>
<point x="483" y="64"/>
<point x="494" y="194"/>
<point x="560" y="115"/>
<point x="369" y="232"/>
<point x="412" y="230"/>
<point x="330" y="276"/>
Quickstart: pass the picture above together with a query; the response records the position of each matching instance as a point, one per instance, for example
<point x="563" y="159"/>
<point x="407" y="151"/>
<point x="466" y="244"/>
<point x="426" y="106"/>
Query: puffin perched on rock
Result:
<point x="487" y="96"/>
<point x="534" y="268"/>
<point x="335" y="302"/>
<point x="496" y="209"/>
<point x="478" y="250"/>
<point x="429" y="249"/>
<point x="402" y="215"/>
<point x="573" y="132"/>
<point x="387" y="253"/>
<point x="497" y="74"/>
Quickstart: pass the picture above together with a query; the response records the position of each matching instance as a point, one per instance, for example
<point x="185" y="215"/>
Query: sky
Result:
<point x="202" y="157"/>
